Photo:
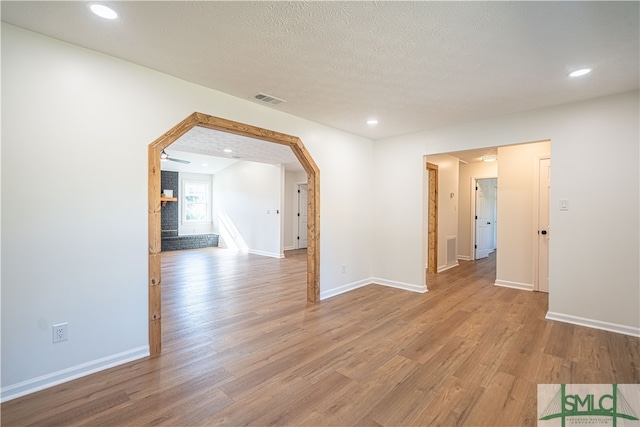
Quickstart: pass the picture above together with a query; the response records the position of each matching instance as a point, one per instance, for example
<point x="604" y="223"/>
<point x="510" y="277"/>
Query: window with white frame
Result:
<point x="196" y="201"/>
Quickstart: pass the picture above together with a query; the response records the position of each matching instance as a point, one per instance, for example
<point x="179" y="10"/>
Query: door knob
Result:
<point x="543" y="232"/>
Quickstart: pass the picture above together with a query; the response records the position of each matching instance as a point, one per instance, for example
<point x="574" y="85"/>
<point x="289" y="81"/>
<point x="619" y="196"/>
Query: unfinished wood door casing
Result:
<point x="223" y="125"/>
<point x="432" y="228"/>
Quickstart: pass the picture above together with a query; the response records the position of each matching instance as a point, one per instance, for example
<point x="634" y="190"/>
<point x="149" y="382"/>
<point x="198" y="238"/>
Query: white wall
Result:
<point x="291" y="181"/>
<point x="465" y="213"/>
<point x="346" y="205"/>
<point x="448" y="176"/>
<point x="74" y="221"/>
<point x="399" y="196"/>
<point x="593" y="276"/>
<point x="248" y="207"/>
<point x="516" y="206"/>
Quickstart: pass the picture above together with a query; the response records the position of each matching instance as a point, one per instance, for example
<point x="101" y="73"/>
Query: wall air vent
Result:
<point x="263" y="97"/>
<point x="452" y="250"/>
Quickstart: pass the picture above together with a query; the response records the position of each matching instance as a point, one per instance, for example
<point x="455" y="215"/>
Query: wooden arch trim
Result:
<point x="216" y="123"/>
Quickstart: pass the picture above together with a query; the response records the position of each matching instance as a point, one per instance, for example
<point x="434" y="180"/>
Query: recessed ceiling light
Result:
<point x="372" y="121"/>
<point x="204" y="165"/>
<point x="580" y="72"/>
<point x="103" y="11"/>
<point x="228" y="150"/>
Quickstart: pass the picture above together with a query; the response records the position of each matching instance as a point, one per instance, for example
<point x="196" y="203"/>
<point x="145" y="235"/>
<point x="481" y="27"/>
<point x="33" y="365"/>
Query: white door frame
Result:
<point x="472" y="216"/>
<point x="536" y="219"/>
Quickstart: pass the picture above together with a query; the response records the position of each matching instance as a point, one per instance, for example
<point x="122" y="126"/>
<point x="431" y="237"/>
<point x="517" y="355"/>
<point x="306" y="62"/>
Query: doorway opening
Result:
<point x="301" y="236"/>
<point x="521" y="207"/>
<point x="223" y="125"/>
<point x="485" y="208"/>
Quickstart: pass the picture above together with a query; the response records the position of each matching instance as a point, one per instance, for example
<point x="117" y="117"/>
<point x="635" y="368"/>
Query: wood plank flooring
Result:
<point x="242" y="346"/>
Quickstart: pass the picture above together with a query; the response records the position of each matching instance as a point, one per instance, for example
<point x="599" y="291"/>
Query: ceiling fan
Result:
<point x="165" y="156"/>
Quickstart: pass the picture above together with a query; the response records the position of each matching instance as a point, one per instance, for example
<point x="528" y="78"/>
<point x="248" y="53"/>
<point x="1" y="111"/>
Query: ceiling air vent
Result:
<point x="263" y="97"/>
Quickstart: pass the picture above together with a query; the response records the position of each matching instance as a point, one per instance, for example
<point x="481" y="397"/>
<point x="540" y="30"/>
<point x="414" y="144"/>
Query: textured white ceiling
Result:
<point x="413" y="65"/>
<point x="475" y="156"/>
<point x="199" y="142"/>
<point x="199" y="163"/>
<point x="206" y="141"/>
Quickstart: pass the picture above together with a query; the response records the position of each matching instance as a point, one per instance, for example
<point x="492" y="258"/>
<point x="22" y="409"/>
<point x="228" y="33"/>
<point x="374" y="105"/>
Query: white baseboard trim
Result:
<point x="595" y="324"/>
<point x="399" y="285"/>
<point x="372" y="281"/>
<point x="464" y="258"/>
<point x="289" y="248"/>
<point x="262" y="253"/>
<point x="49" y="380"/>
<point x="344" y="288"/>
<point x="447" y="267"/>
<point x="514" y="285"/>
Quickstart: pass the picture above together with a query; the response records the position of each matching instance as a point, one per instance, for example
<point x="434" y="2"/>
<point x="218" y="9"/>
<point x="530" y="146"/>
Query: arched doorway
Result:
<point x="216" y="123"/>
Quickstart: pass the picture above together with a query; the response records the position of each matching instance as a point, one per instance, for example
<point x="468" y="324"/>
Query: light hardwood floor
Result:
<point x="241" y="346"/>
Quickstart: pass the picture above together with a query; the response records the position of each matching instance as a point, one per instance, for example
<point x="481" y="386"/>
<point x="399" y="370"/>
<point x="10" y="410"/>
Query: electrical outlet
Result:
<point x="60" y="332"/>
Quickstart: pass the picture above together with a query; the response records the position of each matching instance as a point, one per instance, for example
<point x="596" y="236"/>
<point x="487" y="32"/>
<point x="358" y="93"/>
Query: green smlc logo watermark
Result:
<point x="588" y="405"/>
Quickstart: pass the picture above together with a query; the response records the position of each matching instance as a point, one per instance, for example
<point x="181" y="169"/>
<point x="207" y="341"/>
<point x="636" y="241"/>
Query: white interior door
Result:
<point x="490" y="191"/>
<point x="302" y="216"/>
<point x="544" y="176"/>
<point x="483" y="221"/>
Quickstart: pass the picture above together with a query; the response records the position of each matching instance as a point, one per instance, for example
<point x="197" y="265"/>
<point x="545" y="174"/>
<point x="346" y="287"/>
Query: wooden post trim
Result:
<point x="313" y="219"/>
<point x="432" y="227"/>
<point x="243" y="129"/>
